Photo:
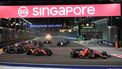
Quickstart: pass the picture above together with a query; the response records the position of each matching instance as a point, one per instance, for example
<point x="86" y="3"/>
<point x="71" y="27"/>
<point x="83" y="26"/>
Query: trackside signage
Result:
<point x="39" y="11"/>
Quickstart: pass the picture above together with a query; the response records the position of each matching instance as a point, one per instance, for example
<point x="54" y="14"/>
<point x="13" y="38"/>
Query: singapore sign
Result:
<point x="41" y="11"/>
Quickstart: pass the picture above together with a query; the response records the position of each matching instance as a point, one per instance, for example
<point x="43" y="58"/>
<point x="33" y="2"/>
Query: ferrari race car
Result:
<point x="38" y="51"/>
<point x="88" y="53"/>
<point x="63" y="43"/>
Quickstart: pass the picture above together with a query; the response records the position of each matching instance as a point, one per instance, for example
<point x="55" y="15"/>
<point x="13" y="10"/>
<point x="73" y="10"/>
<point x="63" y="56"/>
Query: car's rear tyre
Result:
<point x="105" y="55"/>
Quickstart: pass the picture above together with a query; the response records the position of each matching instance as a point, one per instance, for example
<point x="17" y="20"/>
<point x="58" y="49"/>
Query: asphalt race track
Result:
<point x="60" y="56"/>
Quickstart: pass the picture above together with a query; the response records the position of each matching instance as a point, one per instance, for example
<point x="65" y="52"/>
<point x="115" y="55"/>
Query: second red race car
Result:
<point x="88" y="53"/>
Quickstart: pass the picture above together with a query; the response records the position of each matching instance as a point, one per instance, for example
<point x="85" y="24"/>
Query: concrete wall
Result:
<point x="109" y="32"/>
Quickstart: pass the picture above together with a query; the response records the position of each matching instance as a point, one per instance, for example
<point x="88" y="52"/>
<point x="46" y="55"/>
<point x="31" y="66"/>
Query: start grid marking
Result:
<point x="117" y="55"/>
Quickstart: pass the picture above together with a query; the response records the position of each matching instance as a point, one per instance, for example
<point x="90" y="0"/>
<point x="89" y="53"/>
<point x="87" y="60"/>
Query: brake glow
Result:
<point x="53" y="11"/>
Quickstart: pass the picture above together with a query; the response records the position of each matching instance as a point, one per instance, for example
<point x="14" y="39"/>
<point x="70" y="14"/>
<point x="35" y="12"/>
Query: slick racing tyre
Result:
<point x="28" y="52"/>
<point x="105" y="55"/>
<point x="49" y="53"/>
<point x="73" y="55"/>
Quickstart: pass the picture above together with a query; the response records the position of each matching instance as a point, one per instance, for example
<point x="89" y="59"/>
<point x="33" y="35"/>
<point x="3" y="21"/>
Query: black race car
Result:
<point x="63" y="43"/>
<point x="47" y="42"/>
<point x="12" y="49"/>
<point x="60" y="43"/>
<point x="38" y="51"/>
<point x="88" y="53"/>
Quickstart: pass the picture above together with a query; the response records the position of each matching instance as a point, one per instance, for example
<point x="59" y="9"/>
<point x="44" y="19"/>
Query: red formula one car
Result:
<point x="38" y="51"/>
<point x="88" y="53"/>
